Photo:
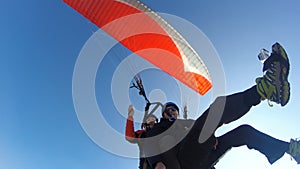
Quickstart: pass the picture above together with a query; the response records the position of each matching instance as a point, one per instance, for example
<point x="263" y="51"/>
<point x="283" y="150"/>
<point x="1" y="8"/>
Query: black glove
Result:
<point x="147" y="106"/>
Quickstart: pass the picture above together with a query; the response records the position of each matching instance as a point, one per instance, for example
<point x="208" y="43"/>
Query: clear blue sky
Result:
<point x="40" y="43"/>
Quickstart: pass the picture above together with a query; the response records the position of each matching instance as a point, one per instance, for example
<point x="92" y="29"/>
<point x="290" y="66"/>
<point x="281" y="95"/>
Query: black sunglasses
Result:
<point x="170" y="108"/>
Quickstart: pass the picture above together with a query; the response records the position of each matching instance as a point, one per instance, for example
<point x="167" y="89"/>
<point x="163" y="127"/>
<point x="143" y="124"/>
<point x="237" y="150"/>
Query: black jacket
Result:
<point x="176" y="129"/>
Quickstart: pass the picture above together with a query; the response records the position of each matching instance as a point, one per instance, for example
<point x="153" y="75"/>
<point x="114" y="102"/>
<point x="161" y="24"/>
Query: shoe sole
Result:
<point x="285" y="68"/>
<point x="279" y="55"/>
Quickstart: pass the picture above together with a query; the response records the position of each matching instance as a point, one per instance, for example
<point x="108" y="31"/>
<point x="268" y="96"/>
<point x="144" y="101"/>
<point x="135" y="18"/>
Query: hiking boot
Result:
<point x="279" y="54"/>
<point x="274" y="85"/>
<point x="294" y="150"/>
<point x="267" y="90"/>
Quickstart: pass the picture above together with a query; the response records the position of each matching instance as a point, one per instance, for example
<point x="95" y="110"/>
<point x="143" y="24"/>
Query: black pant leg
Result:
<point x="271" y="147"/>
<point x="238" y="104"/>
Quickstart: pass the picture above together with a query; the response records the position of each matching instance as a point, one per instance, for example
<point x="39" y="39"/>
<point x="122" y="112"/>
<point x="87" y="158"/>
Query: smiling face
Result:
<point x="170" y="111"/>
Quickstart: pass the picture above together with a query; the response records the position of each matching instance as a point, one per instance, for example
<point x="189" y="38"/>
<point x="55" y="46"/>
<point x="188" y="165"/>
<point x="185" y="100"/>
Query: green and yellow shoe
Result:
<point x="274" y="85"/>
<point x="267" y="90"/>
<point x="294" y="150"/>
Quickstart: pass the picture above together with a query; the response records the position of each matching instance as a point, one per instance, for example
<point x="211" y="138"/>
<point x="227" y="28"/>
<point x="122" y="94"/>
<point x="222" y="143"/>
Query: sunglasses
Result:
<point x="170" y="108"/>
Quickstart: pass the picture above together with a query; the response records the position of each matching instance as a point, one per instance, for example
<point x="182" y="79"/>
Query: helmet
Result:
<point x="170" y="104"/>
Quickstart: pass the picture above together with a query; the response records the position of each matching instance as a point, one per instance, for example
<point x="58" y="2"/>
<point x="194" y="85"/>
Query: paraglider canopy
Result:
<point x="148" y="35"/>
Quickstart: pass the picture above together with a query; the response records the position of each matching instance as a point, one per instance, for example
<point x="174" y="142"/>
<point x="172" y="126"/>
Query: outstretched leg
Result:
<point x="271" y="147"/>
<point x="273" y="86"/>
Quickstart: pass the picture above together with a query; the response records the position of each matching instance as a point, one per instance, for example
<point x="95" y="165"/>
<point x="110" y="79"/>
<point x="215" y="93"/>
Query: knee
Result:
<point x="220" y="99"/>
<point x="219" y="104"/>
<point x="245" y="128"/>
<point x="243" y="133"/>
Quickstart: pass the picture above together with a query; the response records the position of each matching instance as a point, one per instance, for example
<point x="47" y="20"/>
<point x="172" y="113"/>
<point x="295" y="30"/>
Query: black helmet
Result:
<point x="169" y="104"/>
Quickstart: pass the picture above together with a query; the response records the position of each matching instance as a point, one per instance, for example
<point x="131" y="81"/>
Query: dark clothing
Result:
<point x="167" y="144"/>
<point x="272" y="148"/>
<point x="194" y="155"/>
